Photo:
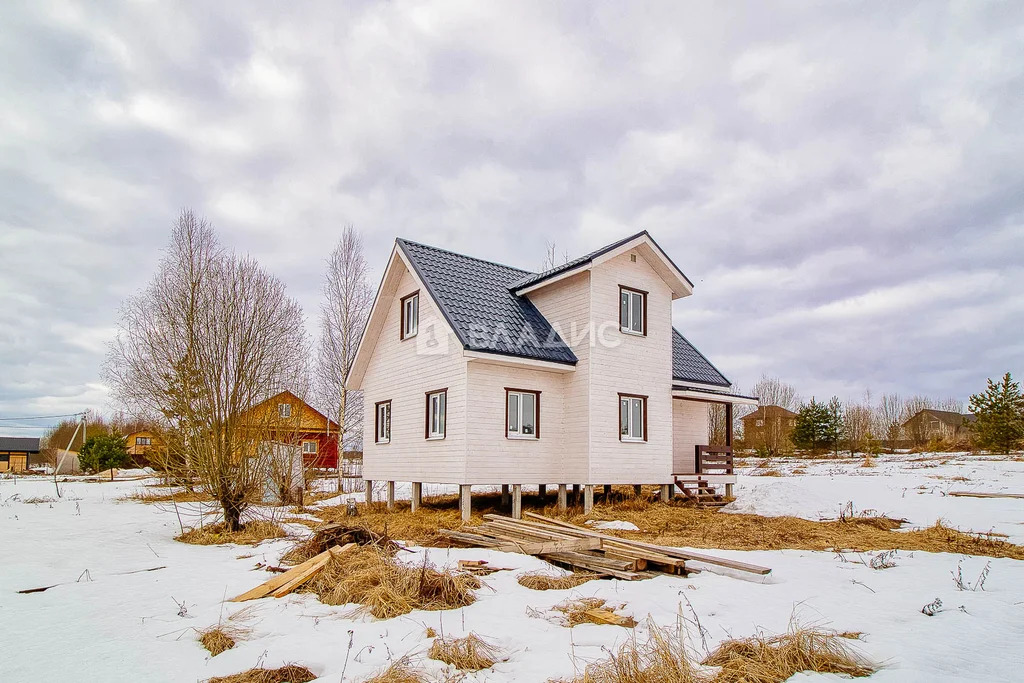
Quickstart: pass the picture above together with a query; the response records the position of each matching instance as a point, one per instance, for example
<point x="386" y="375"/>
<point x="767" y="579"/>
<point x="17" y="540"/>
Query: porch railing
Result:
<point x="714" y="460"/>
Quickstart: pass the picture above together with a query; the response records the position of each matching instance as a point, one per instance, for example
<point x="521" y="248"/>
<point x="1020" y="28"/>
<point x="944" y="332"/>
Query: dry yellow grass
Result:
<point x="763" y="659"/>
<point x="868" y="461"/>
<point x="386" y="588"/>
<point x="677" y="524"/>
<point x="471" y="653"/>
<point x="400" y="671"/>
<point x="216" y="640"/>
<point x="768" y="473"/>
<point x="148" y="495"/>
<point x="251" y="533"/>
<point x="662" y="658"/>
<point x="291" y="673"/>
<point x="577" y="611"/>
<point x="543" y="580"/>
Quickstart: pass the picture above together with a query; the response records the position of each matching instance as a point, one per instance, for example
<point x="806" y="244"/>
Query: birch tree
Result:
<point x="209" y="338"/>
<point x="343" y="314"/>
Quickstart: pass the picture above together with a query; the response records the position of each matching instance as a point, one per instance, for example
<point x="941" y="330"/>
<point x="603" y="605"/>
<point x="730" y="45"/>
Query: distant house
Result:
<point x="937" y="425"/>
<point x="769" y="428"/>
<point x="16" y="452"/>
<point x="292" y="420"/>
<point x="139" y="443"/>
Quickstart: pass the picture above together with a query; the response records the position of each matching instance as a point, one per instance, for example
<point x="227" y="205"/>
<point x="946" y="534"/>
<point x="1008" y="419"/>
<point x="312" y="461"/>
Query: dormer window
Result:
<point x="284" y="410"/>
<point x="632" y="310"/>
<point x="410" y="315"/>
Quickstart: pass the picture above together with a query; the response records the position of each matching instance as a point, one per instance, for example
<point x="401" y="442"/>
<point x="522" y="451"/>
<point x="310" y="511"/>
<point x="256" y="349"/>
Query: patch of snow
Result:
<point x="617" y="524"/>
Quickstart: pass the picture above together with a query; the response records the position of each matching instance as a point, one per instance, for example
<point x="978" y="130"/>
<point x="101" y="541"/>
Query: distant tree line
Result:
<point x="995" y="421"/>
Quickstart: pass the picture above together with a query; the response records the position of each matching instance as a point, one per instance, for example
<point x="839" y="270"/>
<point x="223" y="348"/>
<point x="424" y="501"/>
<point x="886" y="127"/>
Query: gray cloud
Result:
<point x="842" y="183"/>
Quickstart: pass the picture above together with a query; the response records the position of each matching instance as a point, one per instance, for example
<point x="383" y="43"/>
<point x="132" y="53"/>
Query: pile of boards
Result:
<point x="286" y="582"/>
<point x="576" y="547"/>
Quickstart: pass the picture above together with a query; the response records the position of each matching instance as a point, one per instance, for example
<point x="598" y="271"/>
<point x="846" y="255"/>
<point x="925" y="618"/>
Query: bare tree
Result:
<point x="552" y="259"/>
<point x="889" y="417"/>
<point x="210" y="337"/>
<point x="343" y="315"/>
<point x="857" y="420"/>
<point x="772" y="391"/>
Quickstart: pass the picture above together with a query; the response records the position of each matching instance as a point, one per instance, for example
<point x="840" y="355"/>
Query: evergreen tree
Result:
<point x="1000" y="415"/>
<point x="813" y="426"/>
<point x="834" y="430"/>
<point x="104" y="452"/>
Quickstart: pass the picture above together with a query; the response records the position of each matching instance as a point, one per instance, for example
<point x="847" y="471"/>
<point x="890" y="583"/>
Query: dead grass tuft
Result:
<point x="400" y="671"/>
<point x="384" y="587"/>
<point x="216" y="640"/>
<point x="149" y="496"/>
<point x="544" y="580"/>
<point x="763" y="659"/>
<point x="800" y="470"/>
<point x="661" y="659"/>
<point x="291" y="673"/>
<point x="471" y="653"/>
<point x="328" y="536"/>
<point x="868" y="462"/>
<point x="251" y="533"/>
<point x="578" y="611"/>
<point x="768" y="473"/>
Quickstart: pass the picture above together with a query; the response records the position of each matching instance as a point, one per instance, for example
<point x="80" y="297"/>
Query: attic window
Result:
<point x="410" y="315"/>
<point x="632" y="258"/>
<point x="284" y="409"/>
<point x="143" y="441"/>
<point x="632" y="310"/>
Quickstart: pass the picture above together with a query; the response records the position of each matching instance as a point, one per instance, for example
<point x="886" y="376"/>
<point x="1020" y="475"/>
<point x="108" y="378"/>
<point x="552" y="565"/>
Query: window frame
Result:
<point x="403" y="320"/>
<point x="316" y="447"/>
<point x="643" y="412"/>
<point x="143" y="441"/>
<point x="376" y="422"/>
<point x="428" y="433"/>
<point x="284" y="410"/>
<point x="628" y="328"/>
<point x="519" y="436"/>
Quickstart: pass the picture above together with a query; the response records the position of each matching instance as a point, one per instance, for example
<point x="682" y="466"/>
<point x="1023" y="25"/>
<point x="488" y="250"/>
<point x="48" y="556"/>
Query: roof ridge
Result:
<point x="472" y="258"/>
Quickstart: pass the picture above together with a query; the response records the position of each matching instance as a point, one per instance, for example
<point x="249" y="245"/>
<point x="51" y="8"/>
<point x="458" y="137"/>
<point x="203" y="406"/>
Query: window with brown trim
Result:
<point x="522" y="413"/>
<point x="410" y="315"/>
<point x="632" y="417"/>
<point x="437" y="413"/>
<point x="632" y="310"/>
<point x="382" y="422"/>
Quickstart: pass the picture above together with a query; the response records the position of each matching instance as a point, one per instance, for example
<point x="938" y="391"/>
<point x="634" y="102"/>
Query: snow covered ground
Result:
<point x="104" y="623"/>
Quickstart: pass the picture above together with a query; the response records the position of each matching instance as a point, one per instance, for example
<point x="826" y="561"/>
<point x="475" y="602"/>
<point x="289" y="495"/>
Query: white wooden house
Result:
<point x="476" y="373"/>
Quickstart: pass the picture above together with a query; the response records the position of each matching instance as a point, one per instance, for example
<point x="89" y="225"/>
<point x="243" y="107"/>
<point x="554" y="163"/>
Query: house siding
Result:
<point x="492" y="458"/>
<point x="566" y="304"/>
<point x="634" y="365"/>
<point x="689" y="429"/>
<point x="402" y="371"/>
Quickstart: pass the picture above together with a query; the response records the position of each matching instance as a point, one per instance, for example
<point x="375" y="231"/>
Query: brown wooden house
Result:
<point x="768" y="429"/>
<point x="16" y="452"/>
<point x="295" y="421"/>
<point x="937" y="425"/>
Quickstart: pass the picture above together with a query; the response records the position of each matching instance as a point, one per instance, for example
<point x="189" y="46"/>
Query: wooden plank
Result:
<point x="309" y="573"/>
<point x="606" y="616"/>
<point x="574" y="560"/>
<point x="972" y="494"/>
<point x="273" y="584"/>
<point x="664" y="550"/>
<point x="524" y="548"/>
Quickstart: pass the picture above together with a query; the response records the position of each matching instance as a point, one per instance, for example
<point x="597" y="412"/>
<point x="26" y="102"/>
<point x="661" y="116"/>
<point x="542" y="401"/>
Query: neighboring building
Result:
<point x="768" y="429"/>
<point x="140" y="443"/>
<point x="479" y="373"/>
<point x="937" y="425"/>
<point x="289" y="419"/>
<point x="16" y="452"/>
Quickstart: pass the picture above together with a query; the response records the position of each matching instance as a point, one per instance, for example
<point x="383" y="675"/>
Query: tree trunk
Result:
<point x="232" y="514"/>
<point x="341" y="431"/>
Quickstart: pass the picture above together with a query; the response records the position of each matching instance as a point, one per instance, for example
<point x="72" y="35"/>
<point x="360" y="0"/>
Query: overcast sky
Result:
<point x="843" y="182"/>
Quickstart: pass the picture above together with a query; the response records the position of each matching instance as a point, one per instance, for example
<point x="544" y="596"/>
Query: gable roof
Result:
<point x="948" y="416"/>
<point x="289" y="395"/>
<point x="690" y="365"/>
<point x="770" y="411"/>
<point x="532" y="279"/>
<point x="24" y="444"/>
<point x="477" y="300"/>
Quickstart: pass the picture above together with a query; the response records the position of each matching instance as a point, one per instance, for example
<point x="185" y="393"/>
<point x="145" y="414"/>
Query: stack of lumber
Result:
<point x="285" y="583"/>
<point x="576" y="547"/>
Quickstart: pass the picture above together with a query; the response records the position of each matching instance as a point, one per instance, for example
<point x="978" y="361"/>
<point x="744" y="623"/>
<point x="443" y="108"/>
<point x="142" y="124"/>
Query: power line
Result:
<point x="44" y="417"/>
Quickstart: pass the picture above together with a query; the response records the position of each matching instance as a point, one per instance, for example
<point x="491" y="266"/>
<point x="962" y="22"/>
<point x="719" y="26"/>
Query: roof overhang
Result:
<point x="518" y="361"/>
<point x="694" y="393"/>
<point x="645" y="245"/>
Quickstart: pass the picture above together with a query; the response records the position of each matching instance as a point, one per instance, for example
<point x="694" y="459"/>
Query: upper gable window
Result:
<point x="410" y="315"/>
<point x="143" y="441"/>
<point x="632" y="310"/>
<point x="284" y="409"/>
